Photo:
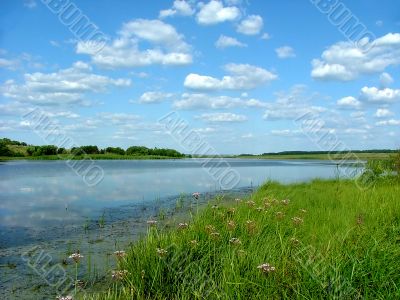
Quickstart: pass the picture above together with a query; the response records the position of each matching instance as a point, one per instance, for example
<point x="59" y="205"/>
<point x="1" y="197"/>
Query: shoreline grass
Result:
<point x="329" y="240"/>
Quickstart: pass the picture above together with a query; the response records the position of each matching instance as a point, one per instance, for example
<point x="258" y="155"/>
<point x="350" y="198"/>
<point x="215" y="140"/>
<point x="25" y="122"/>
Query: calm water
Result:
<point x="45" y="203"/>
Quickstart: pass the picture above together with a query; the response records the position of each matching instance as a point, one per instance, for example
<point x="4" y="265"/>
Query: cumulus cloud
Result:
<point x="349" y="102"/>
<point x="343" y="61"/>
<point x="124" y="52"/>
<point x="385" y="80"/>
<point x="285" y="52"/>
<point x="67" y="86"/>
<point x="226" y="41"/>
<point x="242" y="77"/>
<point x="222" y="117"/>
<point x="214" y="12"/>
<point x="118" y="118"/>
<point x="179" y="8"/>
<point x="375" y="95"/>
<point x="291" y="105"/>
<point x="204" y="101"/>
<point x="154" y="97"/>
<point x="391" y="122"/>
<point x="251" y="25"/>
<point x="383" y="113"/>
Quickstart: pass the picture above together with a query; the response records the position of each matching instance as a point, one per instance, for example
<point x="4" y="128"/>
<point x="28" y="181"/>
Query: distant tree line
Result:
<point x="6" y="150"/>
<point x="323" y="152"/>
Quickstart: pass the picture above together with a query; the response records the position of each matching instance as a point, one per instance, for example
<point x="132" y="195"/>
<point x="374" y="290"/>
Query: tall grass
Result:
<point x="331" y="240"/>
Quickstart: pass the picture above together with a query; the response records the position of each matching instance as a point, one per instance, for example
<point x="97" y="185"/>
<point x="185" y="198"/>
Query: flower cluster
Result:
<point x="151" y="223"/>
<point x="161" y="252"/>
<point x="235" y="241"/>
<point x="231" y="225"/>
<point x="119" y="274"/>
<point x="120" y="254"/>
<point x="76" y="257"/>
<point x="183" y="225"/>
<point x="297" y="221"/>
<point x="196" y="195"/>
<point x="266" y="268"/>
<point x="285" y="202"/>
<point x="64" y="298"/>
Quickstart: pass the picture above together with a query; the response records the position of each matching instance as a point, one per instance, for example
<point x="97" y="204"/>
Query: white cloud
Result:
<point x="265" y="36"/>
<point x="54" y="43"/>
<point x="343" y="61"/>
<point x="247" y="136"/>
<point x="30" y="3"/>
<point x="383" y="112"/>
<point x="379" y="23"/>
<point x="226" y="41"/>
<point x="285" y="132"/>
<point x="391" y="122"/>
<point x="179" y="8"/>
<point x="154" y="97"/>
<point x="119" y="118"/>
<point x="222" y="117"/>
<point x="214" y="12"/>
<point x="285" y="52"/>
<point x="291" y="105"/>
<point x="10" y="64"/>
<point x="67" y="86"/>
<point x="373" y="94"/>
<point x="123" y="52"/>
<point x="385" y="79"/>
<point x="252" y="25"/>
<point x="205" y="101"/>
<point x="242" y="76"/>
<point x="349" y="102"/>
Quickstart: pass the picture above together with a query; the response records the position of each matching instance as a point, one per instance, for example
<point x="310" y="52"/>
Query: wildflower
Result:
<point x="142" y="274"/>
<point x="285" y="202"/>
<point x="235" y="241"/>
<point x="231" y="210"/>
<point x="251" y="226"/>
<point x="196" y="195"/>
<point x="231" y="225"/>
<point x="241" y="253"/>
<point x="161" y="252"/>
<point x="119" y="274"/>
<point x="76" y="257"/>
<point x="266" y="268"/>
<point x="80" y="283"/>
<point x="120" y="254"/>
<point x="151" y="223"/>
<point x="360" y="220"/>
<point x="194" y="243"/>
<point x="280" y="215"/>
<point x="297" y="220"/>
<point x="250" y="203"/>
<point x="64" y="298"/>
<point x="215" y="235"/>
<point x="210" y="228"/>
<point x="294" y="241"/>
<point x="259" y="209"/>
<point x="214" y="207"/>
<point x="183" y="225"/>
<point x="238" y="200"/>
<point x="267" y="204"/>
<point x="303" y="211"/>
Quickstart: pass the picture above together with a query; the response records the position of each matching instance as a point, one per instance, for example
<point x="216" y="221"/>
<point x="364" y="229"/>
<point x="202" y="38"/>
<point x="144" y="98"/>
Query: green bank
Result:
<point x="326" y="239"/>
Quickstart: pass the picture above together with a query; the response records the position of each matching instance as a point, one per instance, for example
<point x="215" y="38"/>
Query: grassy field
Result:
<point x="355" y="156"/>
<point x="328" y="240"/>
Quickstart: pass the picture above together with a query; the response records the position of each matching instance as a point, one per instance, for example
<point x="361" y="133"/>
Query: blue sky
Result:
<point x="239" y="72"/>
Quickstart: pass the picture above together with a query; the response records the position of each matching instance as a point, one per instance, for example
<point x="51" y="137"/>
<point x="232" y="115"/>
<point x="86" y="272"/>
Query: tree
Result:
<point x="115" y="150"/>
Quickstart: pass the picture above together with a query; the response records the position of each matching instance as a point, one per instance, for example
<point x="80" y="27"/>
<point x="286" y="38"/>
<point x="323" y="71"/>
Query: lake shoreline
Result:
<point x="267" y="239"/>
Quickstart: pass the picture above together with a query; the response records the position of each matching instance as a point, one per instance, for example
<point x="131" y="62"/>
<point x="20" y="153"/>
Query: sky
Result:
<point x="246" y="76"/>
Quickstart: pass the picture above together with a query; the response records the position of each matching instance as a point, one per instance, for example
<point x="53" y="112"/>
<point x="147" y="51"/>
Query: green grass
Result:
<point x="346" y="247"/>
<point x="355" y="156"/>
